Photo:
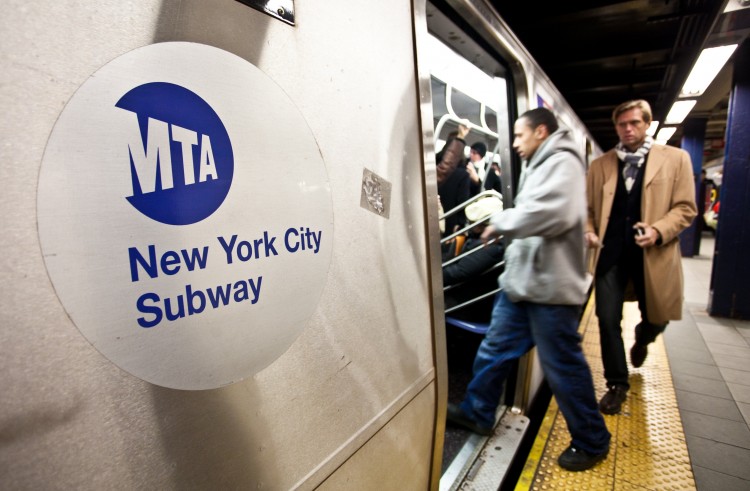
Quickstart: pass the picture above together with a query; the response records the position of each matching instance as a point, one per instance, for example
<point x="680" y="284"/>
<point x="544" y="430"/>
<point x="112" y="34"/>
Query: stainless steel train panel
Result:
<point x="362" y="369"/>
<point x="359" y="394"/>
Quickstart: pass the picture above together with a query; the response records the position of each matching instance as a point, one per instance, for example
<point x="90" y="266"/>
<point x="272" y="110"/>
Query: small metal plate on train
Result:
<point x="376" y="194"/>
<point x="280" y="9"/>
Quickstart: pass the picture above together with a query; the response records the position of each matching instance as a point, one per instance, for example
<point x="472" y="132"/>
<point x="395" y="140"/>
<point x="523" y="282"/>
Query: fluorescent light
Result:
<point x="652" y="128"/>
<point x="448" y="66"/>
<point x="665" y="134"/>
<point x="679" y="111"/>
<point x="705" y="69"/>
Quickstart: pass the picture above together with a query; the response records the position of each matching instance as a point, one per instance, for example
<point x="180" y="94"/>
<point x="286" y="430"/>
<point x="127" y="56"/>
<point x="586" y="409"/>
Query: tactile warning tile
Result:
<point x="648" y="449"/>
<point x="550" y="475"/>
<point x="651" y="429"/>
<point x="651" y="471"/>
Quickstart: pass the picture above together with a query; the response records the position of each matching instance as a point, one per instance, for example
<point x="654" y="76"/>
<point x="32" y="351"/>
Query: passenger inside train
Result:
<point x="453" y="178"/>
<point x="471" y="268"/>
<point x="482" y="179"/>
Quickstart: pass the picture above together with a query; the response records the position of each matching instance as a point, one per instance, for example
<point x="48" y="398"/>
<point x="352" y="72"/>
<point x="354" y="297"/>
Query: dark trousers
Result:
<point x="610" y="296"/>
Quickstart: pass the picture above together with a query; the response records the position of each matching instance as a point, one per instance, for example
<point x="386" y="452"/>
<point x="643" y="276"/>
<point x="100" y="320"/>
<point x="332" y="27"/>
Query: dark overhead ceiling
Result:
<point x="602" y="53"/>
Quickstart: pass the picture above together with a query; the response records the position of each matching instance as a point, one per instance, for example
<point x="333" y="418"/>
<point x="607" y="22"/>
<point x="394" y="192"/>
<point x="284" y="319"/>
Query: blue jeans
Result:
<point x="515" y="329"/>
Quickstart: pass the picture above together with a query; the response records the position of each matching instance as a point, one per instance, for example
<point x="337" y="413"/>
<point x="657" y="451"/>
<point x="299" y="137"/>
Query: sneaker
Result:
<point x="576" y="460"/>
<point x="457" y="416"/>
<point x="638" y="354"/>
<point x="612" y="401"/>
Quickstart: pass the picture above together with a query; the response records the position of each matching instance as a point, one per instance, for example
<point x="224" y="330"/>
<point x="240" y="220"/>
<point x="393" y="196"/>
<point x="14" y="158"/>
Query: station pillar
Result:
<point x="730" y="277"/>
<point x="694" y="134"/>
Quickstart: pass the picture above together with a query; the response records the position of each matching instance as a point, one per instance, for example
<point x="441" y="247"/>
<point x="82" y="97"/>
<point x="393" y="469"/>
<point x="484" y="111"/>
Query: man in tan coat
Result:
<point x="641" y="195"/>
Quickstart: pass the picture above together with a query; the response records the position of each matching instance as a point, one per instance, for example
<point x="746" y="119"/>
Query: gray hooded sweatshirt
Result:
<point x="545" y="258"/>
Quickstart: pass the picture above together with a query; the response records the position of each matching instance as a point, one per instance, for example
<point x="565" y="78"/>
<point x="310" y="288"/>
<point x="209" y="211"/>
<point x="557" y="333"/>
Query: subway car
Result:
<point x="221" y="254"/>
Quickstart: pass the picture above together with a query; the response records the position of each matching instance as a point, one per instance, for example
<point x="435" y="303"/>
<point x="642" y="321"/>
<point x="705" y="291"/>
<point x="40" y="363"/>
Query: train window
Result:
<point x="466" y="108"/>
<point x="490" y="119"/>
<point x="439" y="107"/>
<point x="467" y="93"/>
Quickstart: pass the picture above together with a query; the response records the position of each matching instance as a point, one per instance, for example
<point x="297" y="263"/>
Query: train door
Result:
<point x="473" y="86"/>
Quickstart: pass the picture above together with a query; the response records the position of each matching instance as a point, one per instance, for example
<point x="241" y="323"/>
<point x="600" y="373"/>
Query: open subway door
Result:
<point x="231" y="280"/>
<point x="474" y="85"/>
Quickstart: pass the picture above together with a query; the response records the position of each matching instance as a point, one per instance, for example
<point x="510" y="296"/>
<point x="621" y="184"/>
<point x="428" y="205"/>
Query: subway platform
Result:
<point x="685" y="423"/>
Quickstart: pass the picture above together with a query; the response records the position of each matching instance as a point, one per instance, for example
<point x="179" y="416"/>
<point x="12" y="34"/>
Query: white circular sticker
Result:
<point x="185" y="215"/>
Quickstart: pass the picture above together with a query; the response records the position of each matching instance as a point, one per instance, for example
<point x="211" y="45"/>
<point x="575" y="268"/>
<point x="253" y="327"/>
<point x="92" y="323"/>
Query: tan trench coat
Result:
<point x="667" y="204"/>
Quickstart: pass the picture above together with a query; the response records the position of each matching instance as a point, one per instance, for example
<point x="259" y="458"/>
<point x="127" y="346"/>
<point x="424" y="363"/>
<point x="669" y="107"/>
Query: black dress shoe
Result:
<point x="457" y="416"/>
<point x="638" y="354"/>
<point x="575" y="459"/>
<point x="612" y="401"/>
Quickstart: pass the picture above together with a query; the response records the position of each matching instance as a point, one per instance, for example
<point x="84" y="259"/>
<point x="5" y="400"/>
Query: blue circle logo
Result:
<point x="180" y="156"/>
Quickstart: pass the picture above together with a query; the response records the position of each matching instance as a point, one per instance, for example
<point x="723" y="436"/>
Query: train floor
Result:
<point x="685" y="422"/>
<point x="462" y="346"/>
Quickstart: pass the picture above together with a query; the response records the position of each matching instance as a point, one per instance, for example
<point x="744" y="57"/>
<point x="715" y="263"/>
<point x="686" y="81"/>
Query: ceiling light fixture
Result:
<point x="652" y="128"/>
<point x="679" y="111"/>
<point x="705" y="69"/>
<point x="665" y="134"/>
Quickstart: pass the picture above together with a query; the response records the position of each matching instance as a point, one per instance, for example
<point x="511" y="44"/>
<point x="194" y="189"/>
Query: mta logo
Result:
<point x="181" y="160"/>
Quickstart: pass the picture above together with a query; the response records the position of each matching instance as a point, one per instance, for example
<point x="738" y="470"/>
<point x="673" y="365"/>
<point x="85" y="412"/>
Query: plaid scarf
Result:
<point x="633" y="160"/>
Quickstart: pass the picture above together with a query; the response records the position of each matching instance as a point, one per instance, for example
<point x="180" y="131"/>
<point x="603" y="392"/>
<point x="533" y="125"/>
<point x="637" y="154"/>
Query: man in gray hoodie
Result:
<point x="543" y="288"/>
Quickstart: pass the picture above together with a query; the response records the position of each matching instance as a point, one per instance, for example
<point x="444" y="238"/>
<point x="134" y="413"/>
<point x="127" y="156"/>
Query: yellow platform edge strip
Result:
<point x="648" y="445"/>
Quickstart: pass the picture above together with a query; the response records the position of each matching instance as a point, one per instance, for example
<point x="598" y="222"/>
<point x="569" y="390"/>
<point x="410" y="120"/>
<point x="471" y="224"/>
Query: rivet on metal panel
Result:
<point x="279" y="9"/>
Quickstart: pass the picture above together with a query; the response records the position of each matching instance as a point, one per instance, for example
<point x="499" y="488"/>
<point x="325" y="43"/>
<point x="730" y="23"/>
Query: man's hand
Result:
<point x="463" y="130"/>
<point x="472" y="172"/>
<point x="488" y="234"/>
<point x="645" y="235"/>
<point x="592" y="240"/>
